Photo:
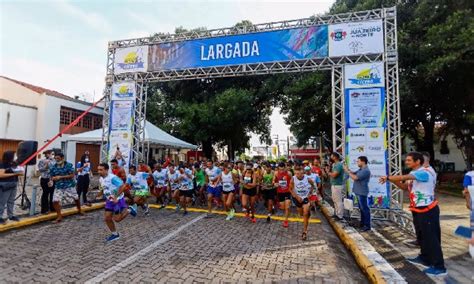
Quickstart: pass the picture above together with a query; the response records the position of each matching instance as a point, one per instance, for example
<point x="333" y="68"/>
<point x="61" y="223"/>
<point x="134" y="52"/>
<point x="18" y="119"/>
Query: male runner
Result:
<point x="301" y="188"/>
<point x="186" y="187"/>
<point x="140" y="188"/>
<point x="116" y="210"/>
<point x="200" y="178"/>
<point x="315" y="178"/>
<point x="161" y="184"/>
<point x="282" y="182"/>
<point x="173" y="181"/>
<point x="214" y="186"/>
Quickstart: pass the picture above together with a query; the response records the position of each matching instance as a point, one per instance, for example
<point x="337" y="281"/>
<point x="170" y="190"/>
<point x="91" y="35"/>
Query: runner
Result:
<point x="315" y="178"/>
<point x="301" y="188"/>
<point x="160" y="176"/>
<point x="173" y="183"/>
<point x="116" y="210"/>
<point x="214" y="186"/>
<point x="249" y="193"/>
<point x="282" y="181"/>
<point x="139" y="188"/>
<point x="186" y="187"/>
<point x="118" y="170"/>
<point x="268" y="190"/>
<point x="228" y="190"/>
<point x="200" y="179"/>
<point x="316" y="168"/>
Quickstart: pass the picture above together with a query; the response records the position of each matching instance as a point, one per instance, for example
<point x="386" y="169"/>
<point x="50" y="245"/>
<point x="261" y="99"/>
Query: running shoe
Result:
<point x="178" y="207"/>
<point x="269" y="219"/>
<point x="14" y="218"/>
<point x="418" y="261"/>
<point x="112" y="237"/>
<point x="229" y="217"/>
<point x="285" y="224"/>
<point x="146" y="210"/>
<point x="253" y="220"/>
<point x="232" y="213"/>
<point x="162" y="206"/>
<point x="132" y="211"/>
<point x="185" y="212"/>
<point x="433" y="271"/>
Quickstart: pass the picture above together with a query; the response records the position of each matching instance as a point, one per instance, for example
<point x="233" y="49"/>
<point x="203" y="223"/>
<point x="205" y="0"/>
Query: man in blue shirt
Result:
<point x="62" y="174"/>
<point x="360" y="188"/>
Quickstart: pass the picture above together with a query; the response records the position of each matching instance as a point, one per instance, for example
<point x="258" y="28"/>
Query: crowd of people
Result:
<point x="235" y="186"/>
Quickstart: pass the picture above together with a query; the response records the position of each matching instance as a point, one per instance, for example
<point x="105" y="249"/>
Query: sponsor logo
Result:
<point x="357" y="134"/>
<point x="375" y="162"/>
<point x="374" y="134"/>
<point x="338" y="35"/>
<point x="124" y="92"/>
<point x="364" y="32"/>
<point x="355" y="95"/>
<point x="359" y="149"/>
<point x="375" y="148"/>
<point x="131" y="61"/>
<point x="368" y="76"/>
<point x="356" y="46"/>
<point x="365" y="121"/>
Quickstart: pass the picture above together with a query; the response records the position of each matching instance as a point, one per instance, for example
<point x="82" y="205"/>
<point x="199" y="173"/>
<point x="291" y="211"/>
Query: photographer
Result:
<point x="360" y="188"/>
<point x="9" y="173"/>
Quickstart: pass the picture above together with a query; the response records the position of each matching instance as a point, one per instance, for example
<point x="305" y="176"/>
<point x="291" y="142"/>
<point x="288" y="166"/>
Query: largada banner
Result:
<point x="283" y="45"/>
<point x="356" y="38"/>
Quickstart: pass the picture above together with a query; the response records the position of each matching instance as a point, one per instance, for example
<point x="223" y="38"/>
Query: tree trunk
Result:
<point x="230" y="150"/>
<point x="207" y="148"/>
<point x="428" y="139"/>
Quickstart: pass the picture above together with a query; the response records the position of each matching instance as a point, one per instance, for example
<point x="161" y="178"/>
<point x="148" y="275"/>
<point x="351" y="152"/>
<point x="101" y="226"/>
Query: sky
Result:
<point x="62" y="45"/>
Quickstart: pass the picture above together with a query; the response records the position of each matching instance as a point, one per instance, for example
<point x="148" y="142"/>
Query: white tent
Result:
<point x="153" y="135"/>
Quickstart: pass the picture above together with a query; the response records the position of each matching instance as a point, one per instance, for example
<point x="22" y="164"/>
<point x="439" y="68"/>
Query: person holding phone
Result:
<point x="8" y="185"/>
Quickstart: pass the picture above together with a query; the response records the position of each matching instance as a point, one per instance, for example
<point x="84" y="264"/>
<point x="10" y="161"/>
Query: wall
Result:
<point x="16" y="93"/>
<point x="17" y="122"/>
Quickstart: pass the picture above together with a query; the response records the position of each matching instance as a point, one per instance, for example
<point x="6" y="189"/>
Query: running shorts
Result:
<point x="268" y="194"/>
<point x="249" y="191"/>
<point x="116" y="208"/>
<point x="215" y="191"/>
<point x="186" y="193"/>
<point x="284" y="196"/>
<point x="300" y="204"/>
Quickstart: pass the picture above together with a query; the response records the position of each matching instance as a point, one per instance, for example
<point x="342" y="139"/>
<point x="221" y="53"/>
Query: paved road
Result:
<point x="152" y="250"/>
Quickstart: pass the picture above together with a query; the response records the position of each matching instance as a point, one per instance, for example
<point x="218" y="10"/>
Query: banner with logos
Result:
<point x="365" y="107"/>
<point x="364" y="75"/>
<point x="356" y="38"/>
<point x="370" y="142"/>
<point x="131" y="59"/>
<point x="282" y="45"/>
<point x="121" y="119"/>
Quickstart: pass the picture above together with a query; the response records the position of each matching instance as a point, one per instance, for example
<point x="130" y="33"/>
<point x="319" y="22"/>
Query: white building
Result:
<point x="29" y="112"/>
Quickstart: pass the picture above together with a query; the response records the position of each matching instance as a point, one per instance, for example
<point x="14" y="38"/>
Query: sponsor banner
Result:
<point x="131" y="59"/>
<point x="369" y="142"/>
<point x="356" y="38"/>
<point x="121" y="115"/>
<point x="365" y="107"/>
<point x="282" y="45"/>
<point x="120" y="143"/>
<point x="123" y="91"/>
<point x="364" y="75"/>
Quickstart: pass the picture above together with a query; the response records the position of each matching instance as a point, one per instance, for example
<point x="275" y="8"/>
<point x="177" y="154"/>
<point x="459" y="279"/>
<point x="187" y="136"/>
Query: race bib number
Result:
<point x="283" y="183"/>
<point x="228" y="186"/>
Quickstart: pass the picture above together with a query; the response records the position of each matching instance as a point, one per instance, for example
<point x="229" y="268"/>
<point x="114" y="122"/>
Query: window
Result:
<point x="65" y="116"/>
<point x="97" y="122"/>
<point x="87" y="121"/>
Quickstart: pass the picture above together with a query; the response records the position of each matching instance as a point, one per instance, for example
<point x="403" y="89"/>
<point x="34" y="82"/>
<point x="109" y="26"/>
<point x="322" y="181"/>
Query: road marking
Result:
<point x="258" y="216"/>
<point x="131" y="259"/>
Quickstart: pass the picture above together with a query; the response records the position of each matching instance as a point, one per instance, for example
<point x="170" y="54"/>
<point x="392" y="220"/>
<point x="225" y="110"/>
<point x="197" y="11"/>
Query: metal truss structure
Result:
<point x="334" y="64"/>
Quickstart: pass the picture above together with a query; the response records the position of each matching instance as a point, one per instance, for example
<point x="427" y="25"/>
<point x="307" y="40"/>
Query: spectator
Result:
<point x="469" y="183"/>
<point x="337" y="179"/>
<point x="83" y="177"/>
<point x="47" y="195"/>
<point x="62" y="174"/>
<point x="360" y="188"/>
<point x="9" y="173"/>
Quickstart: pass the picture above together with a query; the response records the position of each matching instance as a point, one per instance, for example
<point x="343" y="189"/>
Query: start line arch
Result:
<point x="359" y="48"/>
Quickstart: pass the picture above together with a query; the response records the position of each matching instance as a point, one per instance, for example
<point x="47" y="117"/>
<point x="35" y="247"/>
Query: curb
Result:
<point x="28" y="221"/>
<point x="373" y="274"/>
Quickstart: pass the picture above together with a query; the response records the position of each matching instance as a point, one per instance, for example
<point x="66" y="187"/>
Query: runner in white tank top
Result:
<point x="228" y="190"/>
<point x="301" y="187"/>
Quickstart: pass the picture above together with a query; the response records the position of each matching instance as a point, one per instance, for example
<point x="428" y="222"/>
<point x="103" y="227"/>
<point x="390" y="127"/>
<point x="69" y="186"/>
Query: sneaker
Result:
<point x="229" y="217"/>
<point x="185" y="212"/>
<point x="112" y="237"/>
<point x="162" y="206"/>
<point x="285" y="224"/>
<point x="433" y="271"/>
<point x="269" y="219"/>
<point x="132" y="211"/>
<point x="178" y="207"/>
<point x="418" y="261"/>
<point x="232" y="213"/>
<point x="365" y="229"/>
<point x="14" y="218"/>
<point x="2" y="221"/>
<point x="253" y="220"/>
<point x="146" y="210"/>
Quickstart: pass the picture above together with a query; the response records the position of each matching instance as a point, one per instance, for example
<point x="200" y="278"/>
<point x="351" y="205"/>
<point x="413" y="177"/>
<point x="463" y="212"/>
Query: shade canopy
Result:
<point x="153" y="135"/>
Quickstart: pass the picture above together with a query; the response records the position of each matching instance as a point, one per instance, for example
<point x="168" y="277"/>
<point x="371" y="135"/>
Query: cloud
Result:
<point x="93" y="20"/>
<point x="150" y="24"/>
